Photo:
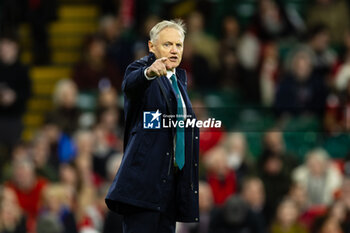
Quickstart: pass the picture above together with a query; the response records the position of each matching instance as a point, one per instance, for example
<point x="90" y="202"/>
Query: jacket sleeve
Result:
<point x="135" y="83"/>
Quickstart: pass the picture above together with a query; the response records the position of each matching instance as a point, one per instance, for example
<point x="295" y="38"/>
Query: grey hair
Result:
<point x="177" y="24"/>
<point x="319" y="153"/>
<point x="297" y="50"/>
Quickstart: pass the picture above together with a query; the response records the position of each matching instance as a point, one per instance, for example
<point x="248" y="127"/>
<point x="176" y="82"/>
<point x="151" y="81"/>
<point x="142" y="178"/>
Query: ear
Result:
<point x="150" y="46"/>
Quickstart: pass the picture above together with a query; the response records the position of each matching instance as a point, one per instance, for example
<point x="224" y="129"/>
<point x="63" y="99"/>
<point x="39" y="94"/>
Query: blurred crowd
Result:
<point x="290" y="62"/>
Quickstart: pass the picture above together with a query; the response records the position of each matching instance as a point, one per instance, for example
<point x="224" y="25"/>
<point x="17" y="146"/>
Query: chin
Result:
<point x="174" y="65"/>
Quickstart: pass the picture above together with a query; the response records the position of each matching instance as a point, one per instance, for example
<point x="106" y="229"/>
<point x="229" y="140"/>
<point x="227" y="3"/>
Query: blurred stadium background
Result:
<point x="276" y="72"/>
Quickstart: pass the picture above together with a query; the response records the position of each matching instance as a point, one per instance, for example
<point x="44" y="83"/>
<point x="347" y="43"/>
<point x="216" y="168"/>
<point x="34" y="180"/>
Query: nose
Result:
<point x="174" y="49"/>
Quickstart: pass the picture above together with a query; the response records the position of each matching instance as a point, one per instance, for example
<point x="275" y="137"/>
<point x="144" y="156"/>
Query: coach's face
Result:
<point x="169" y="44"/>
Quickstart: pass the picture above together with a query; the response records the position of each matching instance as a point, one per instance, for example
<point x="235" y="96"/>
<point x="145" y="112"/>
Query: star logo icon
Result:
<point x="156" y="115"/>
<point x="151" y="119"/>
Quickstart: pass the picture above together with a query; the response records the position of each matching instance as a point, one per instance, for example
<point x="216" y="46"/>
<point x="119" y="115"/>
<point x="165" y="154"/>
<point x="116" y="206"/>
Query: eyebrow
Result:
<point x="177" y="43"/>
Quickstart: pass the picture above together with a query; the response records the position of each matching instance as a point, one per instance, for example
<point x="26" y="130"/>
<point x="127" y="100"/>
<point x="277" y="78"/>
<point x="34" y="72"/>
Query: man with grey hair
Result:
<point x="157" y="182"/>
<point x="319" y="176"/>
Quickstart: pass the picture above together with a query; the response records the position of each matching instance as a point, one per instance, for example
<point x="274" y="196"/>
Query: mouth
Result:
<point x="173" y="58"/>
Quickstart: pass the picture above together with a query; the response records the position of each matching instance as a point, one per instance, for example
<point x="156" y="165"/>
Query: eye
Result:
<point x="166" y="44"/>
<point x="179" y="45"/>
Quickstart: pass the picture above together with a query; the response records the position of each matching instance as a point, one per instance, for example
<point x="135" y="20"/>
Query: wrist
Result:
<point x="147" y="75"/>
<point x="147" y="72"/>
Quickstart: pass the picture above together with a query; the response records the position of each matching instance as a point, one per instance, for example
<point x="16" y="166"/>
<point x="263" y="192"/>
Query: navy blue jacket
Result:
<point x="142" y="179"/>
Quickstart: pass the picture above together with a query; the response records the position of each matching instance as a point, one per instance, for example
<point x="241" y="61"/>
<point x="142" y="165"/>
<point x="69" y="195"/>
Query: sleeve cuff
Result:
<point x="148" y="78"/>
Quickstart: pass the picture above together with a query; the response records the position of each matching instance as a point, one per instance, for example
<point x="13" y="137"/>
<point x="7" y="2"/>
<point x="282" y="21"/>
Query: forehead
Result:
<point x="170" y="34"/>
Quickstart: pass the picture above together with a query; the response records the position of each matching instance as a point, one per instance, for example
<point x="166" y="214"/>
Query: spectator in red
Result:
<point x="209" y="137"/>
<point x="87" y="183"/>
<point x="333" y="220"/>
<point x="28" y="188"/>
<point x="239" y="158"/>
<point x="221" y="178"/>
<point x="342" y="69"/>
<point x="95" y="70"/>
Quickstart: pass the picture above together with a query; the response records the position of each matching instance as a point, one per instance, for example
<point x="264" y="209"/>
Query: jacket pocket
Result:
<point x="145" y="143"/>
